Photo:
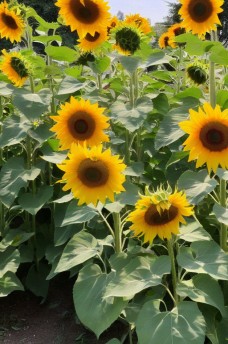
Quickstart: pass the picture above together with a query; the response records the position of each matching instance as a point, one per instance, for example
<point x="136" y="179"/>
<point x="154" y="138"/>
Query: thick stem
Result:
<point x="173" y="269"/>
<point x="99" y="81"/>
<point x="1" y="118"/>
<point x="118" y="232"/>
<point x="223" y="227"/>
<point x="212" y="88"/>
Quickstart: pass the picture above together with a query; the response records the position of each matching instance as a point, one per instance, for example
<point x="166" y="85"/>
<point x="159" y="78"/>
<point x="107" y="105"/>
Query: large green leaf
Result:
<point x="204" y="257"/>
<point x="61" y="53"/>
<point x="183" y="325"/>
<point x="9" y="260"/>
<point x="32" y="203"/>
<point x="36" y="280"/>
<point x="14" y="130"/>
<point x="219" y="54"/>
<point x="203" y="288"/>
<point x="77" y="214"/>
<point x="221" y="213"/>
<point x="193" y="231"/>
<point x="140" y="273"/>
<point x="196" y="185"/>
<point x="131" y="118"/>
<point x="32" y="105"/>
<point x="157" y="57"/>
<point x="14" y="237"/>
<point x="100" y="65"/>
<point x="13" y="177"/>
<point x="194" y="45"/>
<point x="69" y="85"/>
<point x="130" y="63"/>
<point x="8" y="283"/>
<point x="169" y="130"/>
<point x="94" y="311"/>
<point x="79" y="249"/>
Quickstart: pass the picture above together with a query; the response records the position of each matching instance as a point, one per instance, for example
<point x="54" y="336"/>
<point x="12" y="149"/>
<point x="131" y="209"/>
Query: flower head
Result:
<point x="200" y="16"/>
<point x="91" y="42"/>
<point x="80" y="121"/>
<point x="92" y="174"/>
<point x="159" y="213"/>
<point x="15" y="67"/>
<point x="197" y="73"/>
<point x="128" y="38"/>
<point x="166" y="40"/>
<point x="207" y="140"/>
<point x="85" y="16"/>
<point x="140" y="22"/>
<point x="11" y="23"/>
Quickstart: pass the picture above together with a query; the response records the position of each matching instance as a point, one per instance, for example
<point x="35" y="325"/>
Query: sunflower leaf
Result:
<point x="182" y="325"/>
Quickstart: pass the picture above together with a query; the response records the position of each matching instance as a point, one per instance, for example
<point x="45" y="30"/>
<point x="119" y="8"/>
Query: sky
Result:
<point x="155" y="10"/>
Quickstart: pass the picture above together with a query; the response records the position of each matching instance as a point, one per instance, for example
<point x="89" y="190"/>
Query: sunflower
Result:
<point x="200" y="16"/>
<point x="176" y="29"/>
<point x="208" y="136"/>
<point x="80" y="121"/>
<point x="85" y="16"/>
<point x="166" y="40"/>
<point x="197" y="73"/>
<point x="11" y="23"/>
<point x="159" y="213"/>
<point x="141" y="23"/>
<point x="113" y="22"/>
<point x="92" y="42"/>
<point x="15" y="67"/>
<point x="128" y="38"/>
<point x="92" y="175"/>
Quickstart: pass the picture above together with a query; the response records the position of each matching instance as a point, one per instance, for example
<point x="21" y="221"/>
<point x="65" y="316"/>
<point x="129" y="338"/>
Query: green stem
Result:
<point x="99" y="81"/>
<point x="1" y="118"/>
<point x="118" y="232"/>
<point x="173" y="269"/>
<point x="223" y="227"/>
<point x="179" y="64"/>
<point x="127" y="147"/>
<point x="212" y="88"/>
<point x="2" y="219"/>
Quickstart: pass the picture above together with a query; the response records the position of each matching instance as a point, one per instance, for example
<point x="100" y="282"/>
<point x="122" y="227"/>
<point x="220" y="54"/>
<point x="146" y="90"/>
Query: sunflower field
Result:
<point x="113" y="168"/>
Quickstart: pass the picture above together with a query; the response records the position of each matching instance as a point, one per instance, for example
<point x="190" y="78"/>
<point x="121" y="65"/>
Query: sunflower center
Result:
<point x="85" y="14"/>
<point x="91" y="38"/>
<point x="81" y="125"/>
<point x="200" y="10"/>
<point x="93" y="173"/>
<point x="152" y="216"/>
<point x="166" y="41"/>
<point x="128" y="40"/>
<point x="9" y="21"/>
<point x="178" y="31"/>
<point x="214" y="136"/>
<point x="19" y="67"/>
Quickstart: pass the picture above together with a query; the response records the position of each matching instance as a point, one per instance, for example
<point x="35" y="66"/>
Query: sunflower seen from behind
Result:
<point x="15" y="67"/>
<point x="200" y="16"/>
<point x="92" y="174"/>
<point x="127" y="38"/>
<point x="85" y="16"/>
<point x="207" y="140"/>
<point x="11" y="23"/>
<point x="159" y="214"/>
<point x="79" y="121"/>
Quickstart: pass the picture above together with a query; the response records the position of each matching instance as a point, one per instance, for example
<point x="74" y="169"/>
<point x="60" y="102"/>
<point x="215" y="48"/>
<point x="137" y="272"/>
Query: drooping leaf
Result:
<point x="14" y="130"/>
<point x="204" y="257"/>
<point x="182" y="325"/>
<point x="9" y="260"/>
<point x="196" y="185"/>
<point x="8" y="283"/>
<point x="221" y="213"/>
<point x="32" y="203"/>
<point x="77" y="214"/>
<point x="193" y="231"/>
<point x="94" y="311"/>
<point x="79" y="249"/>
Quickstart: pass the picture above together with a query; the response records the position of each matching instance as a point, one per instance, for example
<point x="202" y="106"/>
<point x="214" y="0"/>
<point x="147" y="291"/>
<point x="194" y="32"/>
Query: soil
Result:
<point x="24" y="319"/>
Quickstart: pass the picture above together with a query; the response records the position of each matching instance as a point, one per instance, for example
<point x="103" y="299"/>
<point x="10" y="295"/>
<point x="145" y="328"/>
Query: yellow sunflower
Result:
<point x="159" y="215"/>
<point x="15" y="67"/>
<point x="11" y="23"/>
<point x="113" y="22"/>
<point x="80" y="121"/>
<point x="85" y="16"/>
<point x="127" y="38"/>
<point x="166" y="40"/>
<point x="140" y="22"/>
<point x="208" y="136"/>
<point x="92" y="175"/>
<point x="92" y="42"/>
<point x="200" y="16"/>
<point x="176" y="29"/>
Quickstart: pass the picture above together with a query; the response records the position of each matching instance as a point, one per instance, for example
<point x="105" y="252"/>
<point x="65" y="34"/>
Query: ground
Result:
<point x="25" y="320"/>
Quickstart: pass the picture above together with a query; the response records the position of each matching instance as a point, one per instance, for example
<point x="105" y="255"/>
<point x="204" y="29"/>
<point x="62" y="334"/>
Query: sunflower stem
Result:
<point x="118" y="232"/>
<point x="212" y="88"/>
<point x="173" y="269"/>
<point x="223" y="227"/>
<point x="1" y="119"/>
<point x="99" y="81"/>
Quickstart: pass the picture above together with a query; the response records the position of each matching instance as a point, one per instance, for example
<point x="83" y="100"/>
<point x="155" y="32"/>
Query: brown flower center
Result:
<point x="87" y="14"/>
<point x="178" y="31"/>
<point x="214" y="136"/>
<point x="81" y="125"/>
<point x="166" y="41"/>
<point x="19" y="67"/>
<point x="153" y="218"/>
<point x="9" y="21"/>
<point x="91" y="38"/>
<point x="93" y="173"/>
<point x="200" y="10"/>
